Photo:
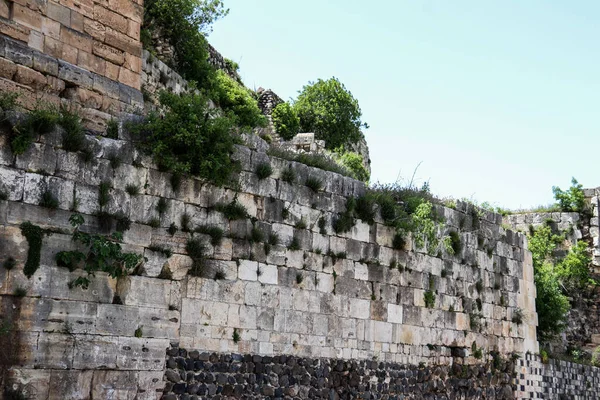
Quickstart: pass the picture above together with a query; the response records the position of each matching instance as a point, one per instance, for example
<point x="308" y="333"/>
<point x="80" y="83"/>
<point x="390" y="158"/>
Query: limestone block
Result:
<point x="34" y="382"/>
<point x="360" y="309"/>
<point x="51" y="350"/>
<point x="115" y="384"/>
<point x="247" y="270"/>
<point x="277" y="256"/>
<point x="295" y="259"/>
<point x="141" y="354"/>
<point x="269" y="274"/>
<point x="361" y="271"/>
<point x="199" y="312"/>
<point x="337" y="244"/>
<point x="148" y="292"/>
<point x="71" y="166"/>
<point x="36" y="184"/>
<point x="121" y="320"/>
<point x="138" y="234"/>
<point x="345" y="268"/>
<point x="38" y="157"/>
<point x="325" y="282"/>
<point x="250" y="202"/>
<point x="70" y="384"/>
<point x="394" y="313"/>
<point x="320" y="242"/>
<point x="150" y="385"/>
<point x="285" y="233"/>
<point x="248" y="317"/>
<point x="252" y="294"/>
<point x="101" y="289"/>
<point x="50" y="315"/>
<point x="91" y="352"/>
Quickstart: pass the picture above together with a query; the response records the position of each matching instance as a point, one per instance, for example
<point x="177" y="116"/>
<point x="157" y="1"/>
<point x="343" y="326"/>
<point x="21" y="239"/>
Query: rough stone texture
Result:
<point x="48" y="45"/>
<point x="258" y="377"/>
<point x="555" y="380"/>
<point x="300" y="303"/>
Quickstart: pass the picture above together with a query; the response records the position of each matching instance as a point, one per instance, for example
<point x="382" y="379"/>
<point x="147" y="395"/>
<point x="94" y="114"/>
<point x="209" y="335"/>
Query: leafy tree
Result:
<point x="190" y="138"/>
<point x="286" y="121"/>
<point x="232" y="96"/>
<point x="329" y="110"/>
<point x="184" y="23"/>
<point x="571" y="200"/>
<point x="354" y="162"/>
<point x="553" y="278"/>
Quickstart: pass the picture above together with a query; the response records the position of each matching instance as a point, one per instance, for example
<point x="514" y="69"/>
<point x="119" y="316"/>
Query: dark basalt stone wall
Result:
<point x="193" y="375"/>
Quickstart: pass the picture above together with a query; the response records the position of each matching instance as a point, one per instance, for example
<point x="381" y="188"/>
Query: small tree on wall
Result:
<point x="287" y="123"/>
<point x="329" y="110"/>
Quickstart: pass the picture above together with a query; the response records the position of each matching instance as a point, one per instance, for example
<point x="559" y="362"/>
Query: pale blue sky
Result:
<point x="497" y="99"/>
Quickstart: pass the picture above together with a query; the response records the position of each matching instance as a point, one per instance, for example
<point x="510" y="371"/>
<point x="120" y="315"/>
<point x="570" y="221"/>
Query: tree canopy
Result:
<point x="329" y="110"/>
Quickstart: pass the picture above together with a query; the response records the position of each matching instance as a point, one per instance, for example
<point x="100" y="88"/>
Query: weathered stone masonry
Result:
<point x="82" y="52"/>
<point x="83" y="344"/>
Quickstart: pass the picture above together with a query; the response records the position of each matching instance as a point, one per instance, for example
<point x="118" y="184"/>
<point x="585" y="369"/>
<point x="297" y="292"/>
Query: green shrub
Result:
<point x="286" y="121"/>
<point x="256" y="235"/>
<point x="138" y="332"/>
<point x="190" y="138"/>
<point x="455" y="243"/>
<point x="331" y="112"/>
<point x="161" y="206"/>
<point x="40" y="121"/>
<point x="172" y="230"/>
<point x="294" y="244"/>
<point x="112" y="129"/>
<point x="264" y="170"/>
<point x="48" y="200"/>
<point x="8" y="101"/>
<point x="232" y="211"/>
<point x="365" y="208"/>
<point x="233" y="97"/>
<point x="236" y="336"/>
<point x="196" y="249"/>
<point x="288" y="175"/>
<point x="69" y="259"/>
<point x="73" y="138"/>
<point x="132" y="190"/>
<point x="314" y="183"/>
<point x="596" y="357"/>
<point x="102" y="253"/>
<point x="343" y="223"/>
<point x="571" y="200"/>
<point x="216" y="234"/>
<point x="185" y="222"/>
<point x="300" y="224"/>
<point x="273" y="239"/>
<point x="104" y="193"/>
<point x="115" y="160"/>
<point x="429" y="298"/>
<point x="320" y="161"/>
<point x="182" y="23"/>
<point x="34" y="235"/>
<point x="518" y="316"/>
<point x="353" y="162"/>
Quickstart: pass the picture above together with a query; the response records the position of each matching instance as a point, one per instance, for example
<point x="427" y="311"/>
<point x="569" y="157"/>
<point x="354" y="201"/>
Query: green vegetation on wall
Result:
<point x="236" y="99"/>
<point x="183" y="23"/>
<point x="571" y="200"/>
<point x="102" y="253"/>
<point x="329" y="110"/>
<point x="189" y="138"/>
<point x="556" y="279"/>
<point x="286" y="121"/>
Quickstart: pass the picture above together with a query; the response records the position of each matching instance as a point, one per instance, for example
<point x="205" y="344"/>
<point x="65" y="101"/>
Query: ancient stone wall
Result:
<point x="86" y="53"/>
<point x="555" y="379"/>
<point x="339" y="296"/>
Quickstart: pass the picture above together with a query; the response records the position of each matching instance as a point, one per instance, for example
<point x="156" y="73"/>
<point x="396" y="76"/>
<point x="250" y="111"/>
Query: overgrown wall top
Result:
<point x="367" y="302"/>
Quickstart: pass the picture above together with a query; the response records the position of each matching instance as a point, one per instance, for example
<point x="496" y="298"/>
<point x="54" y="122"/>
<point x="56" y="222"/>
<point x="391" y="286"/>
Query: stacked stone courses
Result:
<point x="83" y="52"/>
<point x="356" y="308"/>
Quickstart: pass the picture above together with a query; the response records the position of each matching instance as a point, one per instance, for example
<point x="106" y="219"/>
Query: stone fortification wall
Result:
<point x="556" y="379"/>
<point x="339" y="297"/>
<point x="86" y="53"/>
<point x="157" y="76"/>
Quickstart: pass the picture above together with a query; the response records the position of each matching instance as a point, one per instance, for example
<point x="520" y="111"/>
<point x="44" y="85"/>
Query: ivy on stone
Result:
<point x="34" y="235"/>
